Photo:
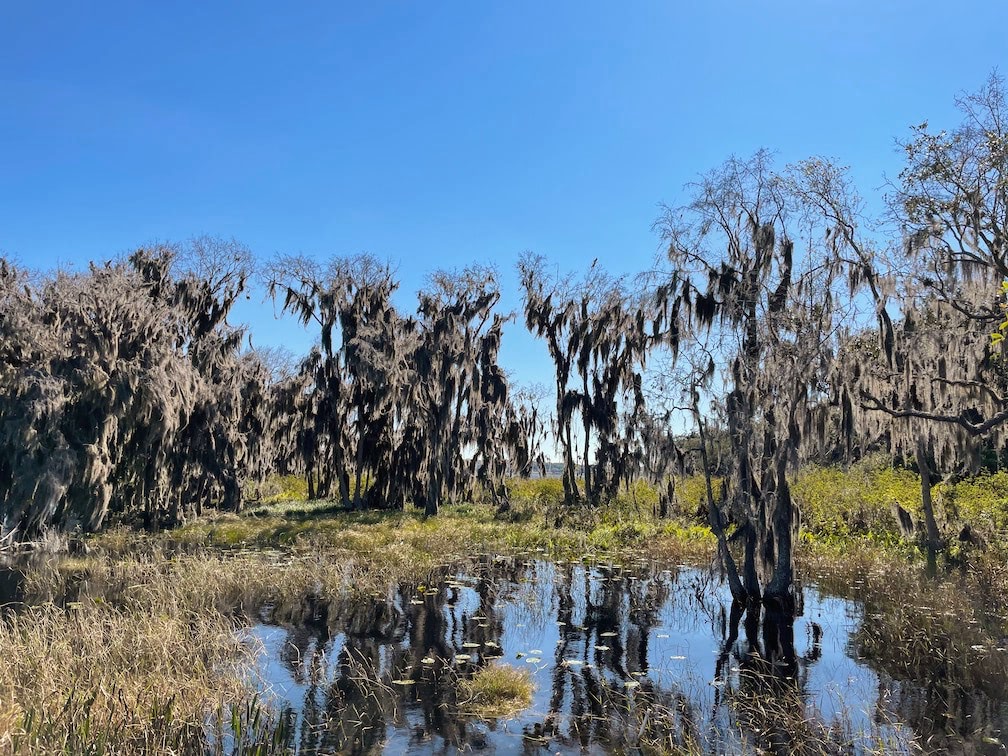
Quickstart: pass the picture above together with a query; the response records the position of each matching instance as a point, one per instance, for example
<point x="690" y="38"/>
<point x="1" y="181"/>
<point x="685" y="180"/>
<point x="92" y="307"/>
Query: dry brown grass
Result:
<point x="91" y="677"/>
<point x="917" y="628"/>
<point x="496" y="691"/>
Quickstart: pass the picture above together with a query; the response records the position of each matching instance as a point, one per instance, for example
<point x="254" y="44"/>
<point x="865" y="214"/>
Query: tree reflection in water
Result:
<point x="630" y="668"/>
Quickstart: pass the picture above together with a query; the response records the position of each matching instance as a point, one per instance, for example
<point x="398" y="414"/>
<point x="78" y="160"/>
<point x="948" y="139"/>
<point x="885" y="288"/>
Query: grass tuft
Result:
<point x="496" y="691"/>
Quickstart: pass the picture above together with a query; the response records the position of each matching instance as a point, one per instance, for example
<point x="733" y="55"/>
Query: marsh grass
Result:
<point x="496" y="691"/>
<point x="91" y="678"/>
<point x="408" y="538"/>
<point x="774" y="718"/>
<point x="950" y="633"/>
<point x="130" y="645"/>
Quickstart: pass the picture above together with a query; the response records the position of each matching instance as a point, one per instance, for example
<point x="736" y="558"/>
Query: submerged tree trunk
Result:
<point x="714" y="514"/>
<point x="778" y="640"/>
<point x="779" y="589"/>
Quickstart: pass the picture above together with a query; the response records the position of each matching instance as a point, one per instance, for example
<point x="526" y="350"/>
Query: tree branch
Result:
<point x="974" y="429"/>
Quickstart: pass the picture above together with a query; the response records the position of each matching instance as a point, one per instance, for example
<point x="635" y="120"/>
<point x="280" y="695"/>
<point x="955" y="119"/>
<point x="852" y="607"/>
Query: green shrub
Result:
<point x="855" y="502"/>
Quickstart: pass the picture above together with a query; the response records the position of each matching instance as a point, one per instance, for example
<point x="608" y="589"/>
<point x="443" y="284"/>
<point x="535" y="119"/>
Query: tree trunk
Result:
<point x="927" y="481"/>
<point x="780" y="585"/>
<point x="570" y="476"/>
<point x="666" y="497"/>
<point x="344" y="486"/>
<point x="750" y="578"/>
<point x="357" y="504"/>
<point x="714" y="515"/>
<point x="430" y="507"/>
<point x="586" y="421"/>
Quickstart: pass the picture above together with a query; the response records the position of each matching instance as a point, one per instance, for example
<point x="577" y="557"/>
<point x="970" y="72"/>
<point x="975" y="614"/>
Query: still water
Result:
<point x="624" y="658"/>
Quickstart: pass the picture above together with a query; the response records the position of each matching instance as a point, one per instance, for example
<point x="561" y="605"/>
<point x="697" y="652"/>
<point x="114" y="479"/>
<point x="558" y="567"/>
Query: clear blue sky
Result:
<point x="441" y="133"/>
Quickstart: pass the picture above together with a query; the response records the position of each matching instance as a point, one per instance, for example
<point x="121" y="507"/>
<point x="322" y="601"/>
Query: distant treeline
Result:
<point x="781" y="324"/>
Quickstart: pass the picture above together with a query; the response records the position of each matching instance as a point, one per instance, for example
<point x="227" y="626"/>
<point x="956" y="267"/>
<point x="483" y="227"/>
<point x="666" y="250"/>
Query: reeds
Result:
<point x="93" y="678"/>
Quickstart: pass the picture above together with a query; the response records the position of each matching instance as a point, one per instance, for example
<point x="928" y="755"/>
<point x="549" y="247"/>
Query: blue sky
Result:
<point x="442" y="133"/>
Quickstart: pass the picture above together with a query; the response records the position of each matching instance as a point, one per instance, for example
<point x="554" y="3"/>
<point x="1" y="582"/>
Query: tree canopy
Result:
<point x="806" y="328"/>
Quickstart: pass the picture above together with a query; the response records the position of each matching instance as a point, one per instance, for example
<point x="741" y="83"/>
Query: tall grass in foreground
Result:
<point x="91" y="678"/>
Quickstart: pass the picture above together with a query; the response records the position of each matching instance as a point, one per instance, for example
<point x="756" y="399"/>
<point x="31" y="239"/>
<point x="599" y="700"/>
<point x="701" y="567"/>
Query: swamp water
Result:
<point x="623" y="658"/>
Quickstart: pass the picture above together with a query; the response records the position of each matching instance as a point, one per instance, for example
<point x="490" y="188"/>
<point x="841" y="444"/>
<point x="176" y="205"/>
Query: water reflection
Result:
<point x="624" y="657"/>
<point x="12" y="581"/>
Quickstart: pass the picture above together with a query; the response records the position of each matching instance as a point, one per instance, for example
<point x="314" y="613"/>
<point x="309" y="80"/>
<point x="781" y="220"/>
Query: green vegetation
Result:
<point x="408" y="540"/>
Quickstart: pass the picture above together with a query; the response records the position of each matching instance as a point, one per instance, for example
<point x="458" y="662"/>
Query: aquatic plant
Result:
<point x="495" y="691"/>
